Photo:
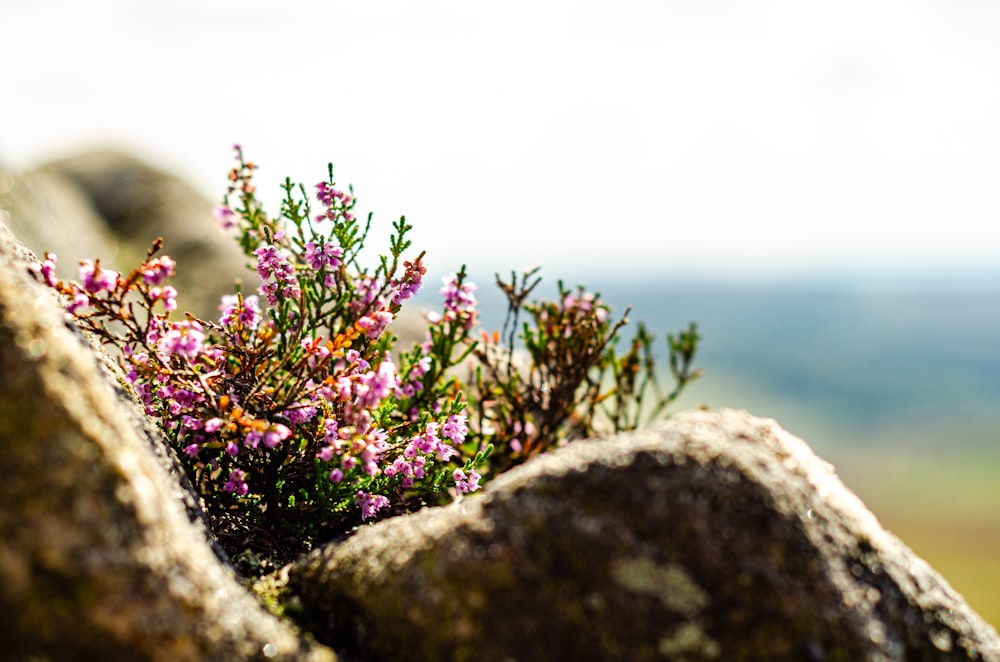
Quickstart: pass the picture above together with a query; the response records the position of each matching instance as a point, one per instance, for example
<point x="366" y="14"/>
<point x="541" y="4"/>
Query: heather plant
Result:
<point x="294" y="415"/>
<point x="558" y="376"/>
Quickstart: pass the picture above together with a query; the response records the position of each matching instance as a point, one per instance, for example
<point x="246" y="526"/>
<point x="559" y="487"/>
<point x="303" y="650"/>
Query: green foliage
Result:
<point x="295" y="415"/>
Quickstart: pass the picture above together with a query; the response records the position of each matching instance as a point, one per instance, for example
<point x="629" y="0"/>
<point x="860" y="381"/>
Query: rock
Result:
<point x="48" y="212"/>
<point x="100" y="555"/>
<point x="716" y="536"/>
<point x="109" y="205"/>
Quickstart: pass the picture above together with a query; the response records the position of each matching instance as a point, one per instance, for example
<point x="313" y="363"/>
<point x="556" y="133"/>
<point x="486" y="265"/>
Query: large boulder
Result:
<point x="102" y="552"/>
<point x="716" y="536"/>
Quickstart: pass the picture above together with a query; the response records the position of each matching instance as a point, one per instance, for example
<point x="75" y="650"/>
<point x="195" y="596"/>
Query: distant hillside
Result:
<point x="833" y="363"/>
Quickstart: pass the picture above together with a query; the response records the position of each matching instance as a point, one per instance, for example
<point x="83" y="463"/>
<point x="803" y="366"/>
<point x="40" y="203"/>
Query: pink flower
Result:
<point x="95" y="279"/>
<point x="247" y="314"/>
<point x="276" y="435"/>
<point x="455" y="428"/>
<point x="237" y="483"/>
<point x="411" y="281"/>
<point x="167" y="294"/>
<point x="459" y="301"/>
<point x="224" y="215"/>
<point x="158" y="270"/>
<point x="48" y="269"/>
<point x="319" y="257"/>
<point x="80" y="300"/>
<point x="465" y="484"/>
<point x="185" y="338"/>
<point x="375" y="324"/>
<point x="370" y="503"/>
<point x="277" y="274"/>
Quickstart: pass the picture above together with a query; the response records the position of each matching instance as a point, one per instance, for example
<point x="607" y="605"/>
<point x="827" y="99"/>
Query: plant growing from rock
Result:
<point x="294" y="415"/>
<point x="558" y="376"/>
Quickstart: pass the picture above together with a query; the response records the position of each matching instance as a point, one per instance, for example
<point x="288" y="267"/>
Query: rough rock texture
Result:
<point x="717" y="536"/>
<point x="100" y="557"/>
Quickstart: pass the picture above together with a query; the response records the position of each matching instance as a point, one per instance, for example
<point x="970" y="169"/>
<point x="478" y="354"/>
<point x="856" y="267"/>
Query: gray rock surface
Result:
<point x="716" y="536"/>
<point x="100" y="555"/>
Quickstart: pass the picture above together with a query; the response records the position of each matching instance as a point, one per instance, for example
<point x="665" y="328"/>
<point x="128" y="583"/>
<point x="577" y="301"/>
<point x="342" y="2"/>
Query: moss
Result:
<point x="272" y="591"/>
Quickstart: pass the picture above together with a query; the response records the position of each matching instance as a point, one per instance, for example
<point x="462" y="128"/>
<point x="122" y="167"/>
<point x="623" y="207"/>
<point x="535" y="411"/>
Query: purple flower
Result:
<point x="336" y="476"/>
<point x="328" y="195"/>
<point x="375" y="386"/>
<point x="185" y="338"/>
<point x="247" y="314"/>
<point x="411" y="281"/>
<point x="48" y="269"/>
<point x="237" y="483"/>
<point x="368" y="288"/>
<point x="465" y="484"/>
<point x="374" y="325"/>
<point x="300" y="413"/>
<point x="459" y="301"/>
<point x="277" y="434"/>
<point x="166" y="294"/>
<point x="455" y="428"/>
<point x="327" y="255"/>
<point x="158" y="270"/>
<point x="224" y="215"/>
<point x="330" y="430"/>
<point x="95" y="279"/>
<point x="370" y="503"/>
<point x="80" y="300"/>
<point x="277" y="275"/>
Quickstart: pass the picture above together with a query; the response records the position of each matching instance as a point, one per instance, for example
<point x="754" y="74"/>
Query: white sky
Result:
<point x="635" y="137"/>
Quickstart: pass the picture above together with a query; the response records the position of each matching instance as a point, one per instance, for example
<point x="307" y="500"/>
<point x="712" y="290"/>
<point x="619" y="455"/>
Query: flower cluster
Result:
<point x="278" y="275"/>
<point x="292" y="410"/>
<point x="459" y="302"/>
<point x="295" y="416"/>
<point x="556" y="388"/>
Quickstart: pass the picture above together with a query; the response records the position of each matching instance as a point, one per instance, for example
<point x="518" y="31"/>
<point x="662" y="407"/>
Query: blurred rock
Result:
<point x="48" y="212"/>
<point x="110" y="205"/>
<point x="102" y="554"/>
<point x="717" y="536"/>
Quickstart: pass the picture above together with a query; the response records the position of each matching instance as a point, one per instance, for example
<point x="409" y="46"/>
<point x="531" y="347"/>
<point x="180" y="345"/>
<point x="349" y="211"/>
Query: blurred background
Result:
<point x="815" y="185"/>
